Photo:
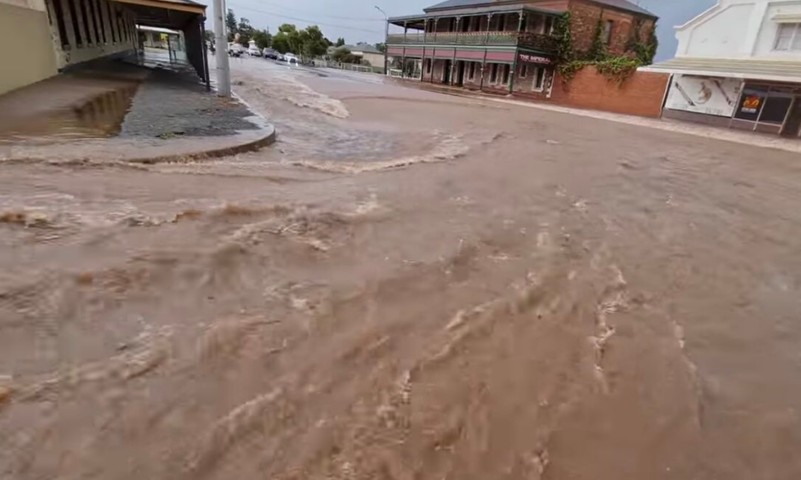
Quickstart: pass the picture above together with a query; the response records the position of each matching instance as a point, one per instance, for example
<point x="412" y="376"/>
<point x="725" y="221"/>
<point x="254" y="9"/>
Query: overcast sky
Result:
<point x="358" y="20"/>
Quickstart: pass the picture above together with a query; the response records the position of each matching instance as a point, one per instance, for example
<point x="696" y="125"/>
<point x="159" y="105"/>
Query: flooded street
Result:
<point x="407" y="285"/>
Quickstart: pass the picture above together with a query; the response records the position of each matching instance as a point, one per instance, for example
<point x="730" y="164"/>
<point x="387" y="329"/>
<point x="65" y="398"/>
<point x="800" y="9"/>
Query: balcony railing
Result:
<point x="535" y="41"/>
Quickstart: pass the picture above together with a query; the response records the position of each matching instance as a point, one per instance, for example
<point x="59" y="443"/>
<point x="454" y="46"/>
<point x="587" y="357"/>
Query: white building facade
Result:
<point x="739" y="65"/>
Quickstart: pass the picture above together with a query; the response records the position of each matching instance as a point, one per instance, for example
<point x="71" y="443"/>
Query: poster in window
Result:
<point x="751" y="104"/>
<point x="708" y="95"/>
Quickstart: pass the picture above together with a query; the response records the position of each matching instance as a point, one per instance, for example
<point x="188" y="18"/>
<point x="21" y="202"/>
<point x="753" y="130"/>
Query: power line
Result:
<point x="306" y="20"/>
<point x="335" y="17"/>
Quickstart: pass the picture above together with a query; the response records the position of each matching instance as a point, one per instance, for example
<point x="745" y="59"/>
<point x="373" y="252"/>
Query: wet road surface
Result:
<point x="406" y="286"/>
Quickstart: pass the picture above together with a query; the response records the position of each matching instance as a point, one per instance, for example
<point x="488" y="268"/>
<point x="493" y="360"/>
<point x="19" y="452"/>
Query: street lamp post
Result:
<point x="386" y="38"/>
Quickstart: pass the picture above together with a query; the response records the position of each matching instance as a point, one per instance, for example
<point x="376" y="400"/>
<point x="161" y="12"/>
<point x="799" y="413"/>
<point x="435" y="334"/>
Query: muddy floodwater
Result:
<point x="406" y="286"/>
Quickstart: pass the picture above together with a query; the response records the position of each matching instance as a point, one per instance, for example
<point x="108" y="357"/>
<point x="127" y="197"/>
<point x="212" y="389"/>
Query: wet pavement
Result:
<point x="405" y="286"/>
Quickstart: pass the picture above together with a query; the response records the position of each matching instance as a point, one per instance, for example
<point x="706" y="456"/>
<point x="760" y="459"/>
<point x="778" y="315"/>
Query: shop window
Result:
<point x="73" y="6"/>
<point x="472" y="75"/>
<point x="775" y="109"/>
<point x="751" y="103"/>
<point x="493" y="73"/>
<point x="87" y="26"/>
<point x="58" y="12"/>
<point x="428" y="65"/>
<point x="789" y="37"/>
<point x="523" y="71"/>
<point x="93" y="13"/>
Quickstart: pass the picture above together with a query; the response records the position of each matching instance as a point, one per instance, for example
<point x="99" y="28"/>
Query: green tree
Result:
<point x="245" y="31"/>
<point x="340" y="42"/>
<point x="312" y="42"/>
<point x="343" y="55"/>
<point x="381" y="47"/>
<point x="263" y="39"/>
<point x="230" y="25"/>
<point x="281" y="42"/>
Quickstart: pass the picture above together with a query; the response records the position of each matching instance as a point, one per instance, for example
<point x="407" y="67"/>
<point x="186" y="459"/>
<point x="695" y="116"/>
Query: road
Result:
<point x="406" y="286"/>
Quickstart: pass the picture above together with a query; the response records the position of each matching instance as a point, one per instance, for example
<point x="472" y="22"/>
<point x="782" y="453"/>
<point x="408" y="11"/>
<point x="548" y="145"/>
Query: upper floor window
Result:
<point x="606" y="35"/>
<point x="789" y="37"/>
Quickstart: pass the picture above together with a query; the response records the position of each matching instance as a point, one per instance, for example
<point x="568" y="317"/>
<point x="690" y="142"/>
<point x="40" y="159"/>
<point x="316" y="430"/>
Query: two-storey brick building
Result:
<point x="509" y="46"/>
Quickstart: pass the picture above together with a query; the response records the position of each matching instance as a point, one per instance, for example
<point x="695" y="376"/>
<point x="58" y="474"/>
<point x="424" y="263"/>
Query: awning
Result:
<point x="771" y="70"/>
<point x="172" y="14"/>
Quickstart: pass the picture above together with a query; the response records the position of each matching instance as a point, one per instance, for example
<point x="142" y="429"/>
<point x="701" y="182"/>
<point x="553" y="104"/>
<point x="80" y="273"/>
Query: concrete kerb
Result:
<point x="145" y="150"/>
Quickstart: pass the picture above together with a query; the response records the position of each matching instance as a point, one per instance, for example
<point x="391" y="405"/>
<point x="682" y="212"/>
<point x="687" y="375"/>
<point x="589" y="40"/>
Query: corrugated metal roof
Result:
<point x="451" y="4"/>
<point x="625" y="5"/>
<point x="774" y="70"/>
<point x="473" y="11"/>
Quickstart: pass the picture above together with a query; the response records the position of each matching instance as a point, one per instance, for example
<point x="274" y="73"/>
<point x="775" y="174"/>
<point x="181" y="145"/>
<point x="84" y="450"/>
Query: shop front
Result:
<point x="754" y="95"/>
<point x="769" y="108"/>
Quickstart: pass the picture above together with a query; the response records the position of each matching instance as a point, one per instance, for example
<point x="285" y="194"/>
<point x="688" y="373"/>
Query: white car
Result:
<point x="254" y="51"/>
<point x="291" y="60"/>
<point x="235" y="49"/>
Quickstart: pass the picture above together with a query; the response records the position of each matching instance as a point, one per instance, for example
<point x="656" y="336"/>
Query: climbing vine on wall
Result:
<point x="564" y="37"/>
<point x="616" y="68"/>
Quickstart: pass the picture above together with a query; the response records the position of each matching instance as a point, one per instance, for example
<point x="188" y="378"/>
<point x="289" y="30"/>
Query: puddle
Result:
<point x="100" y="117"/>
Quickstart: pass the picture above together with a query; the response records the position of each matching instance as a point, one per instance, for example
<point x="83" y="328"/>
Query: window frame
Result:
<point x="794" y="36"/>
<point x="523" y="70"/>
<point x="606" y="34"/>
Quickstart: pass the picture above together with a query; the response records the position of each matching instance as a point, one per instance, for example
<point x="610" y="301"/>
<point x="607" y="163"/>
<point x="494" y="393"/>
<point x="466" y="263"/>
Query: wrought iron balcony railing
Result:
<point x="536" y="41"/>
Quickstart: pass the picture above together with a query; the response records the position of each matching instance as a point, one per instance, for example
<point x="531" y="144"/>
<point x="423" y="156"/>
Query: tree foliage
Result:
<point x="307" y="43"/>
<point x="614" y="67"/>
<point x="246" y="31"/>
<point x="263" y="39"/>
<point x="230" y="24"/>
<point x="340" y="42"/>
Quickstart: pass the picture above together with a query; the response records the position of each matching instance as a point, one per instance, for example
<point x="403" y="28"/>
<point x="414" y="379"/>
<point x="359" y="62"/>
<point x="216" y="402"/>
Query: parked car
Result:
<point x="235" y="49"/>
<point x="270" y="54"/>
<point x="291" y="60"/>
<point x="254" y="51"/>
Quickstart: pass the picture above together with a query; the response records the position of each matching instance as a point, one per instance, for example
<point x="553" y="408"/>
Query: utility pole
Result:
<point x="221" y="39"/>
<point x="386" y="39"/>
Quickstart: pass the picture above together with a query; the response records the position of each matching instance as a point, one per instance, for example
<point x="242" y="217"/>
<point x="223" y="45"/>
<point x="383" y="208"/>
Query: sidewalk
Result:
<point x="736" y="136"/>
<point x="119" y="112"/>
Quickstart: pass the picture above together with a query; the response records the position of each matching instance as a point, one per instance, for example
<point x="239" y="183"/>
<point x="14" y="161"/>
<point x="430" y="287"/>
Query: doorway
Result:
<point x="446" y="72"/>
<point x="792" y="124"/>
<point x="460" y="68"/>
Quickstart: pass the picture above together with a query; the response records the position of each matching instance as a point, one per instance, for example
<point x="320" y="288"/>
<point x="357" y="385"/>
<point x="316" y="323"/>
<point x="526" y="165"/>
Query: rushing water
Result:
<point x="406" y="286"/>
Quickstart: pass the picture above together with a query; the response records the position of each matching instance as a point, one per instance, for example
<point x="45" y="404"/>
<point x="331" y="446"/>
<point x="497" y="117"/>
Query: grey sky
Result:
<point x="358" y="20"/>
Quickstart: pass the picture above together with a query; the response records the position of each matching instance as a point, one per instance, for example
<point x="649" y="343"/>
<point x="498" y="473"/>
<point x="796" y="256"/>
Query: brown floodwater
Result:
<point x="406" y="286"/>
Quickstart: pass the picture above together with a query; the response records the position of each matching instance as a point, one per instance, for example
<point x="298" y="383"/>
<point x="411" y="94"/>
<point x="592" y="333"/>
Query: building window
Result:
<point x="606" y="34"/>
<point x="523" y="71"/>
<point x="550" y="24"/>
<point x="428" y="65"/>
<point x="493" y="73"/>
<point x="789" y="37"/>
<point x="472" y="75"/>
<point x="539" y="78"/>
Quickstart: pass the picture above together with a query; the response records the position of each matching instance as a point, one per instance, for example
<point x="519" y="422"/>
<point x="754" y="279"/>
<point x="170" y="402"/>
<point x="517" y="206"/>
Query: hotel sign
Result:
<point x="534" y="59"/>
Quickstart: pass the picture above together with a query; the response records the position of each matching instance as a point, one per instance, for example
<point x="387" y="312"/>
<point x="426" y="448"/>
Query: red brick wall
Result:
<point x="641" y="94"/>
<point x="584" y="21"/>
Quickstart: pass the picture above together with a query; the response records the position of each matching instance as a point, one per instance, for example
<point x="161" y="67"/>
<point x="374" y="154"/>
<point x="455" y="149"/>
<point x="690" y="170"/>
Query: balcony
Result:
<point x="535" y="41"/>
